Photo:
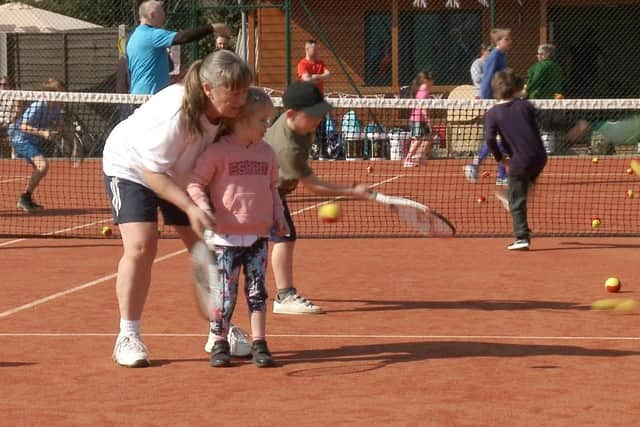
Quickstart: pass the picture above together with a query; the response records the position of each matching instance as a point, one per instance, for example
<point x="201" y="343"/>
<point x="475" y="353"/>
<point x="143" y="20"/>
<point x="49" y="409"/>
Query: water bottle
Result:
<point x="436" y="145"/>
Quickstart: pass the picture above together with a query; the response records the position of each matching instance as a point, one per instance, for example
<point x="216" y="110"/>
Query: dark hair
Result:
<point x="310" y="41"/>
<point x="421" y="77"/>
<point x="506" y="83"/>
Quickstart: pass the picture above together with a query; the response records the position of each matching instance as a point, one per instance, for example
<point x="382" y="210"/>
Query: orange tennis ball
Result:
<point x="481" y="199"/>
<point x="631" y="194"/>
<point x="558" y="96"/>
<point x="595" y="223"/>
<point x="486" y="174"/>
<point x="612" y="284"/>
<point x="629" y="171"/>
<point x="329" y="212"/>
<point x="369" y="170"/>
<point x="595" y="160"/>
<point x="106" y="231"/>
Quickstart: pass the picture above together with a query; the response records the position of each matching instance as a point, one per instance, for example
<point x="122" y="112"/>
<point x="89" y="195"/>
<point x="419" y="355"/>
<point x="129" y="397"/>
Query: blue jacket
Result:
<point x="496" y="61"/>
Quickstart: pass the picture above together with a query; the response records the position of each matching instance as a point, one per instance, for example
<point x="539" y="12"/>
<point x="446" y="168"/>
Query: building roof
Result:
<point x="23" y="18"/>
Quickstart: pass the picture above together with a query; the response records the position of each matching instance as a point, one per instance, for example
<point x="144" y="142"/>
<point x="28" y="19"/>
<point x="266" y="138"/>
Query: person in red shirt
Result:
<point x="311" y="68"/>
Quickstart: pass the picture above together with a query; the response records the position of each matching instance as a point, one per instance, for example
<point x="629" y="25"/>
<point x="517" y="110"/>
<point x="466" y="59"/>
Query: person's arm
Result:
<point x="202" y="175"/>
<point x="323" y="76"/>
<point x="282" y="228"/>
<point x="476" y="72"/>
<point x="490" y="134"/>
<point x="166" y="188"/>
<point x="489" y="69"/>
<point x="323" y="188"/>
<point x="35" y="110"/>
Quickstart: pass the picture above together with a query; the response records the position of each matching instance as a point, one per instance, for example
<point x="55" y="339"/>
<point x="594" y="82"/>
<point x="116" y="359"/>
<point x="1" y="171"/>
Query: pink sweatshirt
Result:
<point x="417" y="115"/>
<point x="242" y="183"/>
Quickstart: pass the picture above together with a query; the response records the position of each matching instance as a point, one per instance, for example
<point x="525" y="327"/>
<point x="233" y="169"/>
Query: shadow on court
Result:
<point x="484" y="305"/>
<point x="15" y="364"/>
<point x="376" y="356"/>
<point x="570" y="246"/>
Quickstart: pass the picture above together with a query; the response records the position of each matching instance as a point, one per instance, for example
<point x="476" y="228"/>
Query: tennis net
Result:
<point x="363" y="140"/>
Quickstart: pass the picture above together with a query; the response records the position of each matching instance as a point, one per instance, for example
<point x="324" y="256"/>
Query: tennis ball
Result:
<point x="558" y="96"/>
<point x="612" y="284"/>
<point x="329" y="212"/>
<point x="486" y="174"/>
<point x="481" y="199"/>
<point x="595" y="223"/>
<point x="106" y="231"/>
<point x="369" y="170"/>
<point x="631" y="194"/>
<point x="594" y="160"/>
<point x="159" y="231"/>
<point x="629" y="171"/>
<point x="635" y="167"/>
<point x="627" y="306"/>
<point x="605" y="304"/>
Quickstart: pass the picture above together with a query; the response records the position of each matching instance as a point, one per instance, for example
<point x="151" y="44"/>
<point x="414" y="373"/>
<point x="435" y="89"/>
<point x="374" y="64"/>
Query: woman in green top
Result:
<point x="544" y="78"/>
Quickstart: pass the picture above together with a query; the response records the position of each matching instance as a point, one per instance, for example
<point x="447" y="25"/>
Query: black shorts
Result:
<point x="293" y="236"/>
<point x="420" y="130"/>
<point x="132" y="202"/>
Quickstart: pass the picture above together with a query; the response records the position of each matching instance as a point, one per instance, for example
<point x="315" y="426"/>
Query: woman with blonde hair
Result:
<point x="147" y="161"/>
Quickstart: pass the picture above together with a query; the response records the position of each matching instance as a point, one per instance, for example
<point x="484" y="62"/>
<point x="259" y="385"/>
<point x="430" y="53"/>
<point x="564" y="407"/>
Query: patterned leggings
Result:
<point x="231" y="259"/>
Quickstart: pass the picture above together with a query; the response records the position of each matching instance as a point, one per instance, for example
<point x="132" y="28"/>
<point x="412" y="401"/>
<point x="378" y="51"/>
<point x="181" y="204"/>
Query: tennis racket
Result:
<point x="206" y="284"/>
<point x="424" y="219"/>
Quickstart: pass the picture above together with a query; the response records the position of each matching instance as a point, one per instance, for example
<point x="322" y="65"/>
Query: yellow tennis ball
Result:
<point x="595" y="160"/>
<point x="329" y="212"/>
<point x="612" y="284"/>
<point x="369" y="169"/>
<point x="629" y="171"/>
<point x="595" y="223"/>
<point x="106" y="231"/>
<point x="631" y="194"/>
<point x="627" y="306"/>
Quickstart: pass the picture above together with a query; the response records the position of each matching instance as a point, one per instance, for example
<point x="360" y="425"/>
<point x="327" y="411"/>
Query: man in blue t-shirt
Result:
<point x="148" y="58"/>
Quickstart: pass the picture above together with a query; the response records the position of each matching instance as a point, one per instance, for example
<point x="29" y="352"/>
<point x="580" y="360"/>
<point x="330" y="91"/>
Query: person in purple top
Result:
<point x="524" y="157"/>
<point x="496" y="61"/>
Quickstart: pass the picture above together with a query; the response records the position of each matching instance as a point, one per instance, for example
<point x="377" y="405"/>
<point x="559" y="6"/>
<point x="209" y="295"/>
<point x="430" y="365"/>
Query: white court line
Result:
<point x="52" y="233"/>
<point x="113" y="275"/>
<point x="20" y="178"/>
<point x="345" y="336"/>
<point x="78" y="288"/>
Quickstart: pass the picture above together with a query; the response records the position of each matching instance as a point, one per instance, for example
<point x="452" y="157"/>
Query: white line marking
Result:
<point x="343" y="336"/>
<point x="64" y="230"/>
<point x="20" y="178"/>
<point x="78" y="288"/>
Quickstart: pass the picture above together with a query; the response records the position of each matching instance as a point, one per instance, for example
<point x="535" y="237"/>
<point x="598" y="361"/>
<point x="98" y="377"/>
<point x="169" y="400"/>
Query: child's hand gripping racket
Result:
<point x="206" y="285"/>
<point x="425" y="220"/>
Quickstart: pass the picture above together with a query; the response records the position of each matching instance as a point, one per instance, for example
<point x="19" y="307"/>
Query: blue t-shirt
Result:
<point x="40" y="115"/>
<point x="148" y="59"/>
<point x="496" y="61"/>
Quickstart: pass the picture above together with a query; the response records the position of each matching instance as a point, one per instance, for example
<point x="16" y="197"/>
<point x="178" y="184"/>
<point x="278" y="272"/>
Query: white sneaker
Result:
<point x="471" y="172"/>
<point x="295" y="304"/>
<point x="238" y="342"/>
<point x="503" y="182"/>
<point x="519" y="245"/>
<point x="131" y="352"/>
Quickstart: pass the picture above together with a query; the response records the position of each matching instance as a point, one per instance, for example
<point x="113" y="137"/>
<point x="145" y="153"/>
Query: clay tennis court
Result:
<point x="417" y="331"/>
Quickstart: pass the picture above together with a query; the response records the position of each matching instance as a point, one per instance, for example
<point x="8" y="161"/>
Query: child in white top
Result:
<point x="240" y="172"/>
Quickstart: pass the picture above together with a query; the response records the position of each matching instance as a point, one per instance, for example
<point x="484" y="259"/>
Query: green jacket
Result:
<point x="544" y="79"/>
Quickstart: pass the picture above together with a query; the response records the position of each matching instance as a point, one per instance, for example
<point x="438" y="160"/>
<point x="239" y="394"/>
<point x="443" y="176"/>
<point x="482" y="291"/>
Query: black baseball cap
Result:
<point x="305" y="96"/>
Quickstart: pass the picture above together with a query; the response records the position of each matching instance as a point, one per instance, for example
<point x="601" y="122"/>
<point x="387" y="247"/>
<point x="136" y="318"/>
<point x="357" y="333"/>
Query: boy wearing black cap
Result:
<point x="291" y="137"/>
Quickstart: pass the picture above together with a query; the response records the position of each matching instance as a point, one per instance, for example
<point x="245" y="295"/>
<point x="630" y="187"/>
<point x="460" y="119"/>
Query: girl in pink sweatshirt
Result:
<point x="421" y="138"/>
<point x="236" y="181"/>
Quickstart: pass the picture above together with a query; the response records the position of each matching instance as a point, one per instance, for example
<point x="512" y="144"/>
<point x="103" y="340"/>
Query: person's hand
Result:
<point x="361" y="191"/>
<point x="506" y="162"/>
<point x="282" y="228"/>
<point x="50" y="134"/>
<point x="577" y="132"/>
<point x="221" y="29"/>
<point x="200" y="220"/>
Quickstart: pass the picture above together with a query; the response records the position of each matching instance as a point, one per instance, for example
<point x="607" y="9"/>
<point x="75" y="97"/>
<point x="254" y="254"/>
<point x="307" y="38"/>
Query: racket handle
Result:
<point x="209" y="235"/>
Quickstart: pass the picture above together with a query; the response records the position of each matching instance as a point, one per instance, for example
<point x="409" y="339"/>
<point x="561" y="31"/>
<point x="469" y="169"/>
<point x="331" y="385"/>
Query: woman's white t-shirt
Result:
<point x="155" y="138"/>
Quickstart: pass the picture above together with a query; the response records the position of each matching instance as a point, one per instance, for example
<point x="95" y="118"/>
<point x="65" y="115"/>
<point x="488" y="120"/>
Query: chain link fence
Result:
<point x="373" y="47"/>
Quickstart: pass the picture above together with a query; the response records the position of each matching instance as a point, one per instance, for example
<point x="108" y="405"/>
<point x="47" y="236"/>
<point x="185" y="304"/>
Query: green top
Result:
<point x="544" y="79"/>
<point x="292" y="151"/>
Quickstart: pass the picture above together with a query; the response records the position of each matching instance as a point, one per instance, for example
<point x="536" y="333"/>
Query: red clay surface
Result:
<point x="570" y="193"/>
<point x="417" y="332"/>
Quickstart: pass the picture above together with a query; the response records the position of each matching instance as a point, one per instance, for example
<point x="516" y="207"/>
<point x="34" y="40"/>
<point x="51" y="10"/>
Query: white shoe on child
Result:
<point x="238" y="342"/>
